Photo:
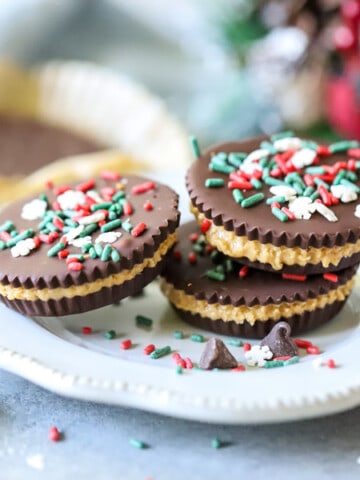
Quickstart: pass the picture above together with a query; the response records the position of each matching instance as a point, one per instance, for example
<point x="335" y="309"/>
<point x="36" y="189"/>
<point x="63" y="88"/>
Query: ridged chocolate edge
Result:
<point x="81" y="304"/>
<point x="309" y="320"/>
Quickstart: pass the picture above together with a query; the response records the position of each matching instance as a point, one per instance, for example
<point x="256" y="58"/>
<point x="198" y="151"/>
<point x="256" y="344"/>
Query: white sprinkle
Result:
<point x="301" y="207"/>
<point x="34" y="209"/>
<point x="344" y="193"/>
<point x="93" y="194"/>
<point x="23" y="248"/>
<point x="258" y="355"/>
<point x="74" y="233"/>
<point x="108" y="237"/>
<point x="35" y="461"/>
<point x="357" y="211"/>
<point x="288" y="143"/>
<point x="288" y="192"/>
<point x="94" y="218"/>
<point x="256" y="155"/>
<point x="325" y="212"/>
<point x="303" y="158"/>
<point x="70" y="199"/>
<point x="79" y="242"/>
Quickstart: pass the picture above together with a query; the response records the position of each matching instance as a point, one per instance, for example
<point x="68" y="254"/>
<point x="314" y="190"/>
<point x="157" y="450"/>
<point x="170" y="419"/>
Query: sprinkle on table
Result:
<point x="126" y="344"/>
<point x="196" y="337"/>
<point x="160" y="352"/>
<point x="110" y="334"/>
<point x="134" y="442"/>
<point x="215" y="443"/>
<point x="178" y="334"/>
<point x="87" y="330"/>
<point x="54" y="434"/>
<point x="142" y="321"/>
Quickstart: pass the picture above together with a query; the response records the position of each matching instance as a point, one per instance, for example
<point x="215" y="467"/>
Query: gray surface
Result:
<point x="96" y="443"/>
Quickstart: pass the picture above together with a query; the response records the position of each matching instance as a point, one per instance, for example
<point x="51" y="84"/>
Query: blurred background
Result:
<point x="226" y="69"/>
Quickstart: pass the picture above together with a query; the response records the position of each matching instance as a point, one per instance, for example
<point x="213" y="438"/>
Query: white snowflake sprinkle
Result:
<point x="288" y="143"/>
<point x="23" y="248"/>
<point x="288" y="192"/>
<point x="80" y="242"/>
<point x="302" y="207"/>
<point x="303" y="158"/>
<point x="344" y="193"/>
<point x="108" y="237"/>
<point x="34" y="209"/>
<point x="357" y="211"/>
<point x="74" y="233"/>
<point x="70" y="199"/>
<point x="258" y="355"/>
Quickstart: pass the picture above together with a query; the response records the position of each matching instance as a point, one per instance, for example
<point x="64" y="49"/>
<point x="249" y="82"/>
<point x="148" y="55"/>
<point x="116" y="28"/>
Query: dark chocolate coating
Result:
<point x="258" y="223"/>
<point x="258" y="288"/>
<point x="27" y="144"/>
<point x="39" y="271"/>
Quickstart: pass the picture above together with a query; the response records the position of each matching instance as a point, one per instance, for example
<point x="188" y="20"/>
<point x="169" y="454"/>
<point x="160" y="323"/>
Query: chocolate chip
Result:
<point x="280" y="342"/>
<point x="216" y="355"/>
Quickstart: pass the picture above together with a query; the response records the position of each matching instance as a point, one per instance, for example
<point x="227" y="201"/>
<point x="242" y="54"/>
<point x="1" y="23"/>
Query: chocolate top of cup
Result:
<point x="257" y="288"/>
<point x="27" y="145"/>
<point x="258" y="222"/>
<point x="39" y="270"/>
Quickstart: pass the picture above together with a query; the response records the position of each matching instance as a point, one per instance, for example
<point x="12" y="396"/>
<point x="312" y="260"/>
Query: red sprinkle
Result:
<point x="49" y="184"/>
<point x="243" y="272"/>
<point x="288" y="212"/>
<point x="331" y="363"/>
<point x="148" y="206"/>
<point x="5" y="236"/>
<point x="126" y="344"/>
<point x="177" y="254"/>
<point x="242" y="185"/>
<point x="193" y="237"/>
<point x="275" y="205"/>
<point x="302" y="343"/>
<point x="209" y="249"/>
<point x="247" y="347"/>
<point x="58" y="223"/>
<point x="285" y="357"/>
<point x="293" y="276"/>
<point x="205" y="225"/>
<point x="331" y="277"/>
<point x="87" y="330"/>
<point x="309" y="180"/>
<point x="85" y="186"/>
<point x="324" y="194"/>
<point x="181" y="362"/>
<point x="37" y="242"/>
<point x="139" y="229"/>
<point x="56" y="206"/>
<point x="354" y="152"/>
<point x="188" y="363"/>
<point x="63" y="253"/>
<point x="323" y="150"/>
<point x="176" y="356"/>
<point x="192" y="257"/>
<point x="313" y="350"/>
<point x="53" y="236"/>
<point x="239" y="368"/>
<point x="149" y="349"/>
<point x="75" y="266"/>
<point x="70" y="260"/>
<point x="61" y="189"/>
<point x="127" y="208"/>
<point x="110" y="175"/>
<point x="142" y="187"/>
<point x="54" y="434"/>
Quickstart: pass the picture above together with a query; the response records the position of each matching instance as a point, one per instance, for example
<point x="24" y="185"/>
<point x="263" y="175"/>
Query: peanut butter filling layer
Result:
<point x="235" y="246"/>
<point x="243" y="313"/>
<point x="46" y="294"/>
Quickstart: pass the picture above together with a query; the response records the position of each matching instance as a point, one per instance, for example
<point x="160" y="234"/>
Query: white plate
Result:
<point x="53" y="353"/>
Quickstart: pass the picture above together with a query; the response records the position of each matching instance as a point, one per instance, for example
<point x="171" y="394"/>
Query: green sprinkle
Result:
<point x="280" y="135"/>
<point x="92" y="253"/>
<point x="179" y="369"/>
<point x="195" y="147"/>
<point x="220" y="268"/>
<point x="318" y="182"/>
<point x="256" y="183"/>
<point x="291" y="361"/>
<point x="235" y="159"/>
<point x="88" y="230"/>
<point x="309" y="144"/>
<point x="274" y="363"/>
<point x="127" y="226"/>
<point x="118" y="196"/>
<point x="115" y="256"/>
<point x="229" y="266"/>
<point x="178" y="334"/>
<point x="56" y="249"/>
<point x="137" y="443"/>
<point x="160" y="352"/>
<point x="142" y="321"/>
<point x="85" y="248"/>
<point x="100" y="206"/>
<point x="351" y="176"/>
<point x="315" y="170"/>
<point x="214" y="182"/>
<point x="314" y="195"/>
<point x="105" y="256"/>
<point x="253" y="200"/>
<point x="215" y="275"/>
<point x="2" y="245"/>
<point x="115" y="208"/>
<point x="70" y="223"/>
<point x="298" y="187"/>
<point x="227" y="169"/>
<point x="343" y="146"/>
<point x="215" y="443"/>
<point x="68" y="213"/>
<point x="79" y="257"/>
<point x="13" y="233"/>
<point x="108" y="227"/>
<point x="7" y="226"/>
<point x="279" y="214"/>
<point x="21" y="236"/>
<point x="195" y="337"/>
<point x="349" y="184"/>
<point x="235" y="342"/>
<point x="219" y="158"/>
<point x="198" y="248"/>
<point x="274" y="182"/>
<point x="308" y="191"/>
<point x="214" y="255"/>
<point x="268" y="146"/>
<point x="277" y="198"/>
<point x="237" y="195"/>
<point x="110" y="334"/>
<point x="98" y="249"/>
<point x="112" y="216"/>
<point x="43" y="197"/>
<point x="51" y="227"/>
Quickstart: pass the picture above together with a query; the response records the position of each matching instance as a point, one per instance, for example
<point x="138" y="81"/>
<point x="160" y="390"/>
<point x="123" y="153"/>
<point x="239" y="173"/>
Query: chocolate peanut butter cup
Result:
<point x="281" y="204"/>
<point x="79" y="247"/>
<point x="211" y="291"/>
